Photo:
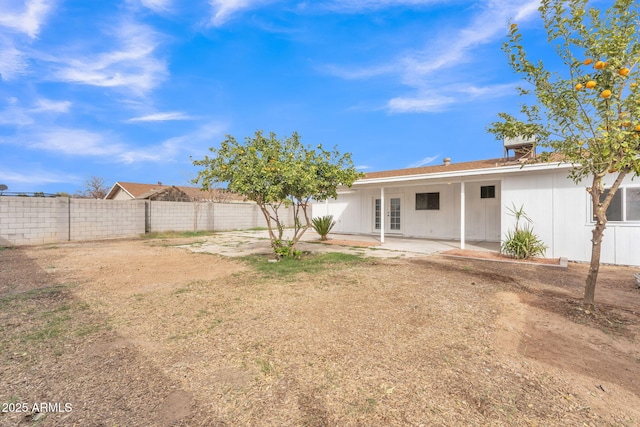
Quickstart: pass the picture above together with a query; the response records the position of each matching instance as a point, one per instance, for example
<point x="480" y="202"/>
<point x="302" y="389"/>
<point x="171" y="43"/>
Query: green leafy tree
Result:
<point x="278" y="173"/>
<point x="588" y="113"/>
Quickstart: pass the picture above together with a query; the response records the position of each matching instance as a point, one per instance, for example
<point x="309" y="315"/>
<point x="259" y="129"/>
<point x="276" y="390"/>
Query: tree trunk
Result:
<point x="600" y="212"/>
<point x="594" y="267"/>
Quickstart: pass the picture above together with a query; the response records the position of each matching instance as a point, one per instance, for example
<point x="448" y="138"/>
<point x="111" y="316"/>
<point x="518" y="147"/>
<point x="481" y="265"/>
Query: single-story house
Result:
<point x="470" y="201"/>
<point x="172" y="193"/>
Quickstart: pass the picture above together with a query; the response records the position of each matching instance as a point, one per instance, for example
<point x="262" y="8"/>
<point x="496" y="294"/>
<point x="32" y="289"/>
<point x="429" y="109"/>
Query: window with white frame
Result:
<point x="488" y="192"/>
<point x="625" y="205"/>
<point x="428" y="201"/>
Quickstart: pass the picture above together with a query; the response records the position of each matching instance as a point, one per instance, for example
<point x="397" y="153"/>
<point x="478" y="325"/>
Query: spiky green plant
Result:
<point x="522" y="242"/>
<point x="323" y="225"/>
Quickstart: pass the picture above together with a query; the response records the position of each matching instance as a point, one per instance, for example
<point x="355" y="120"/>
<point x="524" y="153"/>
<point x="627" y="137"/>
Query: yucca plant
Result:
<point x="323" y="225"/>
<point x="522" y="242"/>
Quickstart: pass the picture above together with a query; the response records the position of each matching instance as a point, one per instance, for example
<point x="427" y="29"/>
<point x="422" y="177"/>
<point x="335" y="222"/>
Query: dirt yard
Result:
<point x="143" y="333"/>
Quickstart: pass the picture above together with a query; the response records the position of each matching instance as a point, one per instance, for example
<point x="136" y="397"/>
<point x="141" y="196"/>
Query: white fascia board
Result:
<point x="465" y="173"/>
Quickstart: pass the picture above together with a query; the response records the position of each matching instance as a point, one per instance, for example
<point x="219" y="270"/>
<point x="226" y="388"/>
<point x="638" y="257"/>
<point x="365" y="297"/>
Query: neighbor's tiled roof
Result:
<point x="138" y="190"/>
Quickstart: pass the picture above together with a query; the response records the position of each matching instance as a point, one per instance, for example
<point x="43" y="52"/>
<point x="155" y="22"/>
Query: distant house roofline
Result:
<point x="145" y="191"/>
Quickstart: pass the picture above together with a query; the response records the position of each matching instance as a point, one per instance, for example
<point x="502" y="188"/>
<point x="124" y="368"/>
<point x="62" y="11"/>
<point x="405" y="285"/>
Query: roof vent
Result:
<point x="447" y="161"/>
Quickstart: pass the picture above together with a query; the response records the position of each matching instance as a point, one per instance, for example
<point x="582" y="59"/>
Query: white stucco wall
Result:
<point x="561" y="210"/>
<point x="353" y="211"/>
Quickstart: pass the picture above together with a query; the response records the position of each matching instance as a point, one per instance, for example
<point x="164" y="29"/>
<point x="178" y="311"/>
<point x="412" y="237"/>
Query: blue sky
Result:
<point x="129" y="90"/>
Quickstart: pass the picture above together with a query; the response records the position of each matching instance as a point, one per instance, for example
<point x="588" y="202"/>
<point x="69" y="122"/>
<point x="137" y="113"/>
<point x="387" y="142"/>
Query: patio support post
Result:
<point x="382" y="221"/>
<point x="462" y="209"/>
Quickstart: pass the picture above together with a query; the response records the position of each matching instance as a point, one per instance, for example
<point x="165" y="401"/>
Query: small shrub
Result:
<point x="522" y="242"/>
<point x="284" y="249"/>
<point x="323" y="225"/>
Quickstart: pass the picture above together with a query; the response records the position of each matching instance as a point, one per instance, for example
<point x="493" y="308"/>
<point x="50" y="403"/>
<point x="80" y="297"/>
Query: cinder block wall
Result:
<point x="180" y="216"/>
<point x="176" y="216"/>
<point x="93" y="219"/>
<point x="33" y="220"/>
<point x="39" y="220"/>
<point x="234" y="216"/>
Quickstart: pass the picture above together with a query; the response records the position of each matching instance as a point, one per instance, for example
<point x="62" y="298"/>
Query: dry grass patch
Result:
<point x="154" y="335"/>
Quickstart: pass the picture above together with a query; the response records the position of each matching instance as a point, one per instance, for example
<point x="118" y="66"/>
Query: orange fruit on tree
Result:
<point x="587" y="61"/>
<point x="625" y="124"/>
<point x="579" y="86"/>
<point x="637" y="128"/>
<point x="623" y="71"/>
<point x="605" y="93"/>
<point x="600" y="65"/>
<point x="633" y="84"/>
<point x="590" y="84"/>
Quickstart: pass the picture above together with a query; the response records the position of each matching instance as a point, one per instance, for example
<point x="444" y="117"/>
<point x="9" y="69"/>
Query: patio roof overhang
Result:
<point x="458" y="176"/>
<point x="461" y="175"/>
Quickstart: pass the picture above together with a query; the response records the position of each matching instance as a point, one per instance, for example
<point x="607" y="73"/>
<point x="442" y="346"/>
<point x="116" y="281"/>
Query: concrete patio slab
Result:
<point x="241" y="243"/>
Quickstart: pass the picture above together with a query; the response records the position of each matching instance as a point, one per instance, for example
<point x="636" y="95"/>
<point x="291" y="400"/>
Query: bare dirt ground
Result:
<point x="143" y="333"/>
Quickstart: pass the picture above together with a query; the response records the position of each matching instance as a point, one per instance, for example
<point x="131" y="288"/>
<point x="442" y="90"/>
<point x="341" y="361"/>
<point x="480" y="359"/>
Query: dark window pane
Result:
<point x="427" y="201"/>
<point x="633" y="204"/>
<point x="433" y="201"/>
<point x="488" y="192"/>
<point x="614" y="212"/>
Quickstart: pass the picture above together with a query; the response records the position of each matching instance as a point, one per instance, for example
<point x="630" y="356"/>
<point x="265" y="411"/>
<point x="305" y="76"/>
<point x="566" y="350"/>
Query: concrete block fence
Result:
<point x="39" y="220"/>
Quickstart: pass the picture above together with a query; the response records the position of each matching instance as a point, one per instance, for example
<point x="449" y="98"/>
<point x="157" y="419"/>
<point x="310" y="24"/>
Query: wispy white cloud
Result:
<point x="15" y="114"/>
<point x="431" y="100"/>
<point x="176" y="147"/>
<point x="223" y="10"/>
<point x="359" y="73"/>
<point x="423" y="162"/>
<point x="133" y="65"/>
<point x="110" y="148"/>
<point x="49" y="106"/>
<point x="25" y="17"/>
<point x="35" y="176"/>
<point x="161" y="117"/>
<point x="363" y="167"/>
<point x="430" y="103"/>
<point x="157" y="5"/>
<point x="449" y="50"/>
<point x="353" y="6"/>
<point x="426" y="69"/>
<point x="74" y="142"/>
<point x="13" y="63"/>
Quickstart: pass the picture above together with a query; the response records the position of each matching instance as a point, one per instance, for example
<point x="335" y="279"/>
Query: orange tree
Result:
<point x="278" y="173"/>
<point x="588" y="111"/>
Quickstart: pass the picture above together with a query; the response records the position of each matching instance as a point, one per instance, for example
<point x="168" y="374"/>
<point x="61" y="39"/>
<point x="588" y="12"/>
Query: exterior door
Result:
<point x="392" y="213"/>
